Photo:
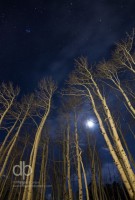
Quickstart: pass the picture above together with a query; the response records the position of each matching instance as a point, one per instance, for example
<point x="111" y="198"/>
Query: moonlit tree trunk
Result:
<point x="42" y="178"/>
<point x="67" y="107"/>
<point x="64" y="174"/>
<point x="93" y="172"/>
<point x="78" y="155"/>
<point x="34" y="155"/>
<point x="3" y="184"/>
<point x="44" y="172"/>
<point x="85" y="179"/>
<point x="68" y="163"/>
<point x="44" y="97"/>
<point x="14" y="190"/>
<point x="8" y="134"/>
<point x="112" y="150"/>
<point x="16" y="135"/>
<point x="117" y="139"/>
<point x="129" y="104"/>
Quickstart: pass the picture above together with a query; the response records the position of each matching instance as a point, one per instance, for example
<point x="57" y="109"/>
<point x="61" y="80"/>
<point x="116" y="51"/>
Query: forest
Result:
<point x="48" y="152"/>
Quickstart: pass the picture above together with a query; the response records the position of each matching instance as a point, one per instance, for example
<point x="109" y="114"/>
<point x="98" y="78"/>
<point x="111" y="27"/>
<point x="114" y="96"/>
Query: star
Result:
<point x="28" y="30"/>
<point x="71" y="3"/>
<point x="100" y="20"/>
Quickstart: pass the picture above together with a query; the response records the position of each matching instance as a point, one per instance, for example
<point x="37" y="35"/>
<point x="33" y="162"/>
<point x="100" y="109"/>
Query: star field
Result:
<point x="40" y="38"/>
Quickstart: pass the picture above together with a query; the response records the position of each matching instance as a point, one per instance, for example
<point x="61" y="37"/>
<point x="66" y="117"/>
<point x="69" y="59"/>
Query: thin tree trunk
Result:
<point x="6" y="111"/>
<point x="64" y="167"/>
<point x="78" y="162"/>
<point x="28" y="192"/>
<point x="7" y="136"/>
<point x="68" y="166"/>
<point x="131" y="108"/>
<point x="13" y="144"/>
<point x="93" y="172"/>
<point x="45" y="170"/>
<point x="85" y="180"/>
<point x="7" y="176"/>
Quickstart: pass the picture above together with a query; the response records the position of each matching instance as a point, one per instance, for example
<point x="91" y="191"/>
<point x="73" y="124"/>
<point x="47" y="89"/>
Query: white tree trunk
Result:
<point x="6" y="111"/>
<point x="131" y="108"/>
<point x="12" y="145"/>
<point x="8" y="134"/>
<point x="68" y="166"/>
<point x="122" y="152"/>
<point x="29" y="191"/>
<point x="85" y="181"/>
<point x="111" y="149"/>
<point x="78" y="162"/>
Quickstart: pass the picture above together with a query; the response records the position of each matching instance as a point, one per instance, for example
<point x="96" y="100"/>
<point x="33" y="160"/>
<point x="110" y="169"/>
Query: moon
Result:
<point x="90" y="123"/>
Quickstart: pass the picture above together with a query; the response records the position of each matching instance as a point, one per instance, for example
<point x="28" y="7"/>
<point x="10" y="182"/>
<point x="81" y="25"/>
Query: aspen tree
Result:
<point x="43" y="102"/>
<point x="68" y="162"/>
<point x="85" y="178"/>
<point x="65" y="113"/>
<point x="108" y="70"/>
<point x="42" y="179"/>
<point x="124" y="54"/>
<point x="9" y="130"/>
<point x="7" y="96"/>
<point x="72" y="105"/>
<point x="93" y="171"/>
<point x="78" y="156"/>
<point x="64" y="165"/>
<point x="26" y="143"/>
<point x="44" y="171"/>
<point x="14" y="191"/>
<point x="24" y="109"/>
<point x="7" y="177"/>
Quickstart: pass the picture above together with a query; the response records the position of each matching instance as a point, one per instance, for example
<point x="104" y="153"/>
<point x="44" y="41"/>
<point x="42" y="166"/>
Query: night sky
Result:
<point x="42" y="38"/>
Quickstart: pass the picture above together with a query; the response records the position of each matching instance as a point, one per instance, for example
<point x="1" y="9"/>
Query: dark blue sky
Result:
<point x="39" y="38"/>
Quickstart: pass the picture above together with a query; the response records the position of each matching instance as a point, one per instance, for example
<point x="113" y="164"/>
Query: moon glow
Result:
<point x="90" y="123"/>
